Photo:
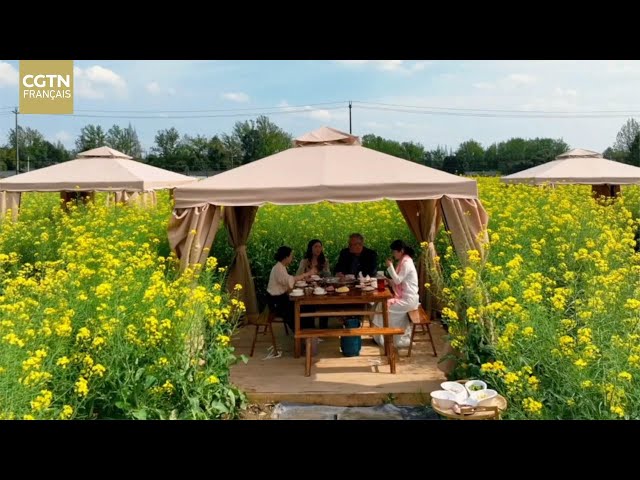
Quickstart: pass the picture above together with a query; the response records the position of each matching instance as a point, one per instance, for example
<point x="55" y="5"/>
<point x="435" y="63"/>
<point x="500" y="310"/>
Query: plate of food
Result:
<point x="301" y="284"/>
<point x="330" y="289"/>
<point x="368" y="289"/>
<point x="315" y="278"/>
<point x="342" y="290"/>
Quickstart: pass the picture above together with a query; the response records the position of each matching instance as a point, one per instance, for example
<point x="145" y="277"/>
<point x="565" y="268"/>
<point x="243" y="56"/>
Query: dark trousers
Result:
<point x="284" y="308"/>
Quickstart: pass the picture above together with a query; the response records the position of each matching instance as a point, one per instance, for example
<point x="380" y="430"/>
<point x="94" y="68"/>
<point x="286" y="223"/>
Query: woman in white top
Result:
<point x="280" y="282"/>
<point x="405" y="285"/>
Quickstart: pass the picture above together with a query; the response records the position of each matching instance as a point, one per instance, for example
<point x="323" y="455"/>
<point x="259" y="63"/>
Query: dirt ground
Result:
<point x="258" y="412"/>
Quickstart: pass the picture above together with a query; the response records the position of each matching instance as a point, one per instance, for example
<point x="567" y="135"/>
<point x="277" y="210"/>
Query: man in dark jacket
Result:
<point x="357" y="258"/>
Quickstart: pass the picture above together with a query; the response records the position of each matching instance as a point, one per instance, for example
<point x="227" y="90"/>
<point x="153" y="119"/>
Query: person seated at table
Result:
<point x="314" y="258"/>
<point x="406" y="298"/>
<point x="280" y="283"/>
<point x="357" y="258"/>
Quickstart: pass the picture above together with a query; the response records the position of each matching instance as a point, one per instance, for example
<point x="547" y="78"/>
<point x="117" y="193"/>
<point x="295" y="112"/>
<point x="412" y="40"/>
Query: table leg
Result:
<point x="297" y="341"/>
<point x="385" y="324"/>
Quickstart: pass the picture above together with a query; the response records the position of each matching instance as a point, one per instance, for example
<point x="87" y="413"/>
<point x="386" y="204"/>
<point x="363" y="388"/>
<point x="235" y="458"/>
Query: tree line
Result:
<point x="253" y="139"/>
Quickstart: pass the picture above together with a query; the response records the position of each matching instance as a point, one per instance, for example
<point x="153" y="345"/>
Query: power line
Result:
<point x="488" y="115"/>
<point x="495" y="110"/>
<point x="162" y="117"/>
<point x="282" y="107"/>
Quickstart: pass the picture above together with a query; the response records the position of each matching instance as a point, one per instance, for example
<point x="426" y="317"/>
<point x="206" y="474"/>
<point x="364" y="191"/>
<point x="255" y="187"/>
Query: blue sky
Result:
<point x="529" y="86"/>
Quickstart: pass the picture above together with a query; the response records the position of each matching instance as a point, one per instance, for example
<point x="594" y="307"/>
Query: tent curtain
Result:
<point x="10" y="201"/>
<point x="191" y="233"/>
<point x="423" y="218"/>
<point x="239" y="221"/>
<point x="75" y="197"/>
<point x="142" y="199"/>
<point x="467" y="221"/>
<point x="605" y="190"/>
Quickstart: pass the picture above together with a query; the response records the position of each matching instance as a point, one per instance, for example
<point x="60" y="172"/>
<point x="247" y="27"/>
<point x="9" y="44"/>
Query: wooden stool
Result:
<point x="268" y="326"/>
<point x="419" y="318"/>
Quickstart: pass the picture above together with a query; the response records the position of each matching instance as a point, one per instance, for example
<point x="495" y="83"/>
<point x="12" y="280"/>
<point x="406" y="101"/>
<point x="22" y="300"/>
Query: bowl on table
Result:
<point x="475" y="386"/>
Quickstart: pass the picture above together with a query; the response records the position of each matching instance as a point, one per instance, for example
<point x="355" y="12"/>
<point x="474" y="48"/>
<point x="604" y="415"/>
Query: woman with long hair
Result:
<point x="406" y="298"/>
<point x="314" y="258"/>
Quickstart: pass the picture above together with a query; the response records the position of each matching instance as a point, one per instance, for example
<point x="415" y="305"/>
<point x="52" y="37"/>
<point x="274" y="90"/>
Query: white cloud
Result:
<point x="561" y="92"/>
<point x="97" y="82"/>
<point x="154" y="88"/>
<point x="63" y="136"/>
<point x="8" y="75"/>
<point x="324" y="115"/>
<point x="318" y="114"/>
<point x="400" y="66"/>
<point x="239" y="97"/>
<point x="484" y="85"/>
<point x="519" y="80"/>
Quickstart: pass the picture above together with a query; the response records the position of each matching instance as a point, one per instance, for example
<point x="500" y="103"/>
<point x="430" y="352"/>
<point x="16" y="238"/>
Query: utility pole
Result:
<point x="349" y="117"/>
<point x="15" y="111"/>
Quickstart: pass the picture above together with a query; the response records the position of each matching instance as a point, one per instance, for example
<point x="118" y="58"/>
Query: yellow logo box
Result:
<point x="46" y="86"/>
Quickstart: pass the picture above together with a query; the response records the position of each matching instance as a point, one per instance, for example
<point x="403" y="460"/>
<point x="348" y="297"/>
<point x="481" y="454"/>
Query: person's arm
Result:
<point x="284" y="279"/>
<point x="302" y="266"/>
<point x="400" y="276"/>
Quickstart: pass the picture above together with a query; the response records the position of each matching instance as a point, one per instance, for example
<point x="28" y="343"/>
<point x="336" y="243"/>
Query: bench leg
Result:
<point x="307" y="363"/>
<point x="255" y="337"/>
<point x="392" y="358"/>
<point x="433" y="345"/>
<point x="413" y="332"/>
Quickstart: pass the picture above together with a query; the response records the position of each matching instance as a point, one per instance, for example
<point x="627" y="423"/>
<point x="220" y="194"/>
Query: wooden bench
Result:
<point x="388" y="333"/>
<point x="420" y="318"/>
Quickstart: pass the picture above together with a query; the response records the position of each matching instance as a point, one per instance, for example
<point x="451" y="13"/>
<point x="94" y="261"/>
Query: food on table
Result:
<point x="343" y="290"/>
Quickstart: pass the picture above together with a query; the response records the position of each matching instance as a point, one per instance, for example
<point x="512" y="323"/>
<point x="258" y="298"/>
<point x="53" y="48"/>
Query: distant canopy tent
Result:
<point x="342" y="171"/>
<point x="99" y="170"/>
<point x="583" y="167"/>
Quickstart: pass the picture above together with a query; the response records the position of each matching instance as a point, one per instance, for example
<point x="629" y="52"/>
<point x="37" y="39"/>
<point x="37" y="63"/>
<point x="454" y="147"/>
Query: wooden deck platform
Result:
<point x="335" y="379"/>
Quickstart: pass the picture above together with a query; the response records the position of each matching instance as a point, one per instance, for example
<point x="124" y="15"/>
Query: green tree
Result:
<point x="435" y="158"/>
<point x="471" y="156"/>
<point x="453" y="164"/>
<point x="412" y="151"/>
<point x="634" y="152"/>
<point x="253" y="140"/>
<point x="124" y="140"/>
<point x="91" y="136"/>
<point x="626" y="136"/>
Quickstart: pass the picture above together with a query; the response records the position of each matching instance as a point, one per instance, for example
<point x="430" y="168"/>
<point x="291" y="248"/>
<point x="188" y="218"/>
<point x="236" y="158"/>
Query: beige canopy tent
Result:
<point x="99" y="170"/>
<point x="323" y="165"/>
<point x="580" y="166"/>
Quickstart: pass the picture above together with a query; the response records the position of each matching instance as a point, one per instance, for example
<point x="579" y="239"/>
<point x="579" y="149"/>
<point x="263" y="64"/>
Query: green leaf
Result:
<point x="140" y="414"/>
<point x="150" y="381"/>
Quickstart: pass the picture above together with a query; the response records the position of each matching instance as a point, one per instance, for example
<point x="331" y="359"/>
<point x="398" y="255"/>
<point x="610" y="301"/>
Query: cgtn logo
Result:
<point x="46" y="86"/>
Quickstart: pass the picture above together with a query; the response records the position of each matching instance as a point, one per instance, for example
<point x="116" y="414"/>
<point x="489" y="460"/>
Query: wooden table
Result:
<point x="354" y="297"/>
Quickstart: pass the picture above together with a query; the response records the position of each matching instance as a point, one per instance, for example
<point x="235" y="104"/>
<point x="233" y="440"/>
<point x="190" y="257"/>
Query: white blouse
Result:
<point x="407" y="276"/>
<point x="279" y="280"/>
